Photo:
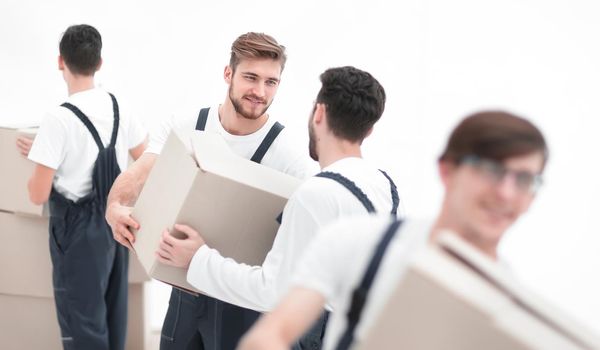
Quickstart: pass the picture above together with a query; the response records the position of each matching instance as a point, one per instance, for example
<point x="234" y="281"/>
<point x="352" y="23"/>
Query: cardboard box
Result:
<point x="138" y="328"/>
<point x="28" y="323"/>
<point x="16" y="171"/>
<point x="453" y="297"/>
<point x="31" y="322"/>
<point x="25" y="241"/>
<point x="25" y="265"/>
<point x="233" y="202"/>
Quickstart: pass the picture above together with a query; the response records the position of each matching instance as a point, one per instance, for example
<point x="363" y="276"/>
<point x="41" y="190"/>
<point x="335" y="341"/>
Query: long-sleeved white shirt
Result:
<point x="317" y="202"/>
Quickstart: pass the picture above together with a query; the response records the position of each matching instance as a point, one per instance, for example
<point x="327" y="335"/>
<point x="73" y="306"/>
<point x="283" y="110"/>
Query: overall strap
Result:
<point x="86" y="121"/>
<point x="360" y="294"/>
<point x="267" y="142"/>
<point x="394" y="191"/>
<point x="202" y="118"/>
<point x="88" y="124"/>
<point x="115" y="131"/>
<point x="350" y="186"/>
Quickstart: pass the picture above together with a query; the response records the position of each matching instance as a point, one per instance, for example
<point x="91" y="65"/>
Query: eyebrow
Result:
<point x="256" y="76"/>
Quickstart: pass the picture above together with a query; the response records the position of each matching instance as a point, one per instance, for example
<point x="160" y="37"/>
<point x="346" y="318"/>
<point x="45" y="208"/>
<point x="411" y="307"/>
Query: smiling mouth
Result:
<point x="255" y="100"/>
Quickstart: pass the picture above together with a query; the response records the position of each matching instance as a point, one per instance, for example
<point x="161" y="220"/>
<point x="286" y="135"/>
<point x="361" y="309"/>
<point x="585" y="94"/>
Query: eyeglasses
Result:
<point x="525" y="181"/>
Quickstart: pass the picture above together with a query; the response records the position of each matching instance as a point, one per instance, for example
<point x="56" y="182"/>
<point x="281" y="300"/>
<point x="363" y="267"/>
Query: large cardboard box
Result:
<point x="28" y="323"/>
<point x="231" y="201"/>
<point x="31" y="323"/>
<point x="25" y="265"/>
<point x="452" y="297"/>
<point x="16" y="171"/>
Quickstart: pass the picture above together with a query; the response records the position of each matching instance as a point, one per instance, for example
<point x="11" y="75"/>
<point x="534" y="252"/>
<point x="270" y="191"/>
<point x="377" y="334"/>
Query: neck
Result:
<point x="447" y="222"/>
<point x="237" y="124"/>
<point x="334" y="149"/>
<point x="80" y="83"/>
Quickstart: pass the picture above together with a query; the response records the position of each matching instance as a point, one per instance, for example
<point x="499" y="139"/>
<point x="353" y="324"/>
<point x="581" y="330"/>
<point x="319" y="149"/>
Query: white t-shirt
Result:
<point x="335" y="262"/>
<point x="281" y="155"/>
<point x="317" y="202"/>
<point x="64" y="143"/>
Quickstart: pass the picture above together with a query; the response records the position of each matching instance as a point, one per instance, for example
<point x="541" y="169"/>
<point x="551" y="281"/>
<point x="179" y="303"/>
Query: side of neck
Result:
<point x="335" y="149"/>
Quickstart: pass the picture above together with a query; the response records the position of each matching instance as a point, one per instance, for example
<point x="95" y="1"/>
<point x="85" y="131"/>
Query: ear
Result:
<point x="228" y="74"/>
<point x="369" y="132"/>
<point x="445" y="170"/>
<point x="320" y="114"/>
<point x="61" y="63"/>
<point x="99" y="64"/>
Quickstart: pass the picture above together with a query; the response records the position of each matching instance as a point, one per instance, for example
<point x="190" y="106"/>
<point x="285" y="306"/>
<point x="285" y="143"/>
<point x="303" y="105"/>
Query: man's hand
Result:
<point x="179" y="252"/>
<point x="119" y="218"/>
<point x="24" y="145"/>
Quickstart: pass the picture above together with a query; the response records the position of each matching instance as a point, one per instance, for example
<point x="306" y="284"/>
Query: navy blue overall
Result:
<point x="89" y="268"/>
<point x="361" y="293"/>
<point x="202" y="322"/>
<point x="313" y="339"/>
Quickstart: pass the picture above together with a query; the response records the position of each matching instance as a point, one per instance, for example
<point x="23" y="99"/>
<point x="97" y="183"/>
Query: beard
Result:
<point x="239" y="108"/>
<point x="312" y="139"/>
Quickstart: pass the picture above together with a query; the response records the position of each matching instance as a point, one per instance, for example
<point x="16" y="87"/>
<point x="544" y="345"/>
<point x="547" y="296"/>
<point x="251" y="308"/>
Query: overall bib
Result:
<point x="361" y="293"/>
<point x="89" y="268"/>
<point x="313" y="338"/>
<point x="199" y="321"/>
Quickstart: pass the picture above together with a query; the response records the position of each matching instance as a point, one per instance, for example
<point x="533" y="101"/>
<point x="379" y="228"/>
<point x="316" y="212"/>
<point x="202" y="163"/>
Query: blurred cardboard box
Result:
<point x="16" y="170"/>
<point x="233" y="202"/>
<point x="30" y="322"/>
<point x="453" y="297"/>
<point x="25" y="244"/>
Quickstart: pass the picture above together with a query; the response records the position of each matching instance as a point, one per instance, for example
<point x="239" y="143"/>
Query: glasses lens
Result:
<point x="496" y="172"/>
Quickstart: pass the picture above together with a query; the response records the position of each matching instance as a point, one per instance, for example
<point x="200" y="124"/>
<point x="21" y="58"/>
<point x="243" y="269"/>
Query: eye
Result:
<point x="493" y="169"/>
<point x="272" y="82"/>
<point x="524" y="179"/>
<point x="250" y="77"/>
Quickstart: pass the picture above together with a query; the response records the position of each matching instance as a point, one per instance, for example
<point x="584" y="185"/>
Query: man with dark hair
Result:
<point x="491" y="169"/>
<point x="349" y="103"/>
<point x="253" y="75"/>
<point x="79" y="150"/>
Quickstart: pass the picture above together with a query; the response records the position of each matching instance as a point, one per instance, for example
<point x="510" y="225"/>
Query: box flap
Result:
<point x="214" y="155"/>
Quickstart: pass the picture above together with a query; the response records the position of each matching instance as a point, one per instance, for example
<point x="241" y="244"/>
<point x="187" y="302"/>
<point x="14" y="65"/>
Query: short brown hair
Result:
<point x="80" y="47"/>
<point x="256" y="46"/>
<point x="496" y="135"/>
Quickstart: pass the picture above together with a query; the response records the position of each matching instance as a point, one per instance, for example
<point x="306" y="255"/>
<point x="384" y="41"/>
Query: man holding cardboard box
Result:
<point x="253" y="75"/>
<point x="79" y="150"/>
<point x="491" y="169"/>
<point x="348" y="105"/>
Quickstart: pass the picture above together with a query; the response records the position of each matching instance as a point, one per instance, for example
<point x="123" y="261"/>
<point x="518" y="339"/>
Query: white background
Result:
<point x="438" y="61"/>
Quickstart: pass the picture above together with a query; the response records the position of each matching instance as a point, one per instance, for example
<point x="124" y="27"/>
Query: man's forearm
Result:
<point x="129" y="184"/>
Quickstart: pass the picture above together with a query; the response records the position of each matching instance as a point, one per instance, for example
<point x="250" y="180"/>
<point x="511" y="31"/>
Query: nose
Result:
<point x="507" y="187"/>
<point x="259" y="89"/>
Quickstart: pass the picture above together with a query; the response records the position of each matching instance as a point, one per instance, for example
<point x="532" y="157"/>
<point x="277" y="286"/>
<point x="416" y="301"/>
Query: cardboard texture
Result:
<point x="28" y="323"/>
<point x="138" y="329"/>
<point x="26" y="268"/>
<point x="231" y="201"/>
<point x="16" y="171"/>
<point x="31" y="323"/>
<point x="455" y="298"/>
<point x="25" y="240"/>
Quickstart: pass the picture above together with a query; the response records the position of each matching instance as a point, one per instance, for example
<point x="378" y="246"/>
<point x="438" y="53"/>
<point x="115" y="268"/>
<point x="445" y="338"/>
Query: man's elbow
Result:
<point x="36" y="195"/>
<point x="37" y="199"/>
